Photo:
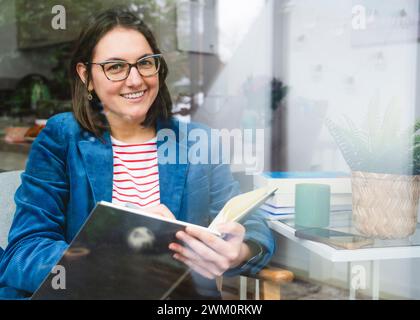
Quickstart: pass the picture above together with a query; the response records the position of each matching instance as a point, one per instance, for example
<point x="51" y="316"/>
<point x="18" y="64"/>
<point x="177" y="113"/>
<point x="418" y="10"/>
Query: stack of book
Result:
<point x="282" y="205"/>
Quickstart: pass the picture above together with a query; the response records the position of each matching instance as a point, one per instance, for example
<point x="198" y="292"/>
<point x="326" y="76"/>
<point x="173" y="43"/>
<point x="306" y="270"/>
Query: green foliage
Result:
<point x="379" y="145"/>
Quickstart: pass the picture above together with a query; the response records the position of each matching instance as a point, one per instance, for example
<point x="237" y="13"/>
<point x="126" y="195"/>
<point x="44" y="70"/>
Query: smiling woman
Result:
<point x="103" y="77"/>
<point x="126" y="96"/>
<point x="107" y="149"/>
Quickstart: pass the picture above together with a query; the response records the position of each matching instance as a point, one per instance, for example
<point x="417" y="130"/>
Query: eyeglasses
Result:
<point x="118" y="70"/>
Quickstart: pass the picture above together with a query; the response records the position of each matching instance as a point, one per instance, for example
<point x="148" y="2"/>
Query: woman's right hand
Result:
<point x="161" y="210"/>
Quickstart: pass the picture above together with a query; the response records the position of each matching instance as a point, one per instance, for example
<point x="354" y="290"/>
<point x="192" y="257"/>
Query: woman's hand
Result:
<point x="209" y="254"/>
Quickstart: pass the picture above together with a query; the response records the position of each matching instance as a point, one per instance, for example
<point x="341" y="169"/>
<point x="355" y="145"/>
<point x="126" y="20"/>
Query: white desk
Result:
<point x="381" y="250"/>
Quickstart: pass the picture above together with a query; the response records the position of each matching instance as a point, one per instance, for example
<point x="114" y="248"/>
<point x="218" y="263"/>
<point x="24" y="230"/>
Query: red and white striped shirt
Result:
<point x="136" y="176"/>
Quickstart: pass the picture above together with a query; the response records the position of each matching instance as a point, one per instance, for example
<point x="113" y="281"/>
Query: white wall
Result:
<point x="334" y="70"/>
<point x="334" y="67"/>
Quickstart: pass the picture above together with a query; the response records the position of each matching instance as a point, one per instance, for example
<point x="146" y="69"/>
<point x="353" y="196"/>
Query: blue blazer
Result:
<point x="69" y="170"/>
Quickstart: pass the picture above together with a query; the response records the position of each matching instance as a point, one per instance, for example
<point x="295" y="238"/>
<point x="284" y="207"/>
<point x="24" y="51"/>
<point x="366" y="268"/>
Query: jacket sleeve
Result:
<point x="224" y="187"/>
<point x="37" y="235"/>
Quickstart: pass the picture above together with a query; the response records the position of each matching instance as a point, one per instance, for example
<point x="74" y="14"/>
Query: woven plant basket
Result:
<point x="385" y="205"/>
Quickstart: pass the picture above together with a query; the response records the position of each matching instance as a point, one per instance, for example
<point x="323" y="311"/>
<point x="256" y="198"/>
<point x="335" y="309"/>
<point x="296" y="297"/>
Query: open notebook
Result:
<point x="237" y="208"/>
<point x="122" y="253"/>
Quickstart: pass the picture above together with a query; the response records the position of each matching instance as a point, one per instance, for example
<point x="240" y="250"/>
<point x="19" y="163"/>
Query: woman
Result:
<point x="120" y="103"/>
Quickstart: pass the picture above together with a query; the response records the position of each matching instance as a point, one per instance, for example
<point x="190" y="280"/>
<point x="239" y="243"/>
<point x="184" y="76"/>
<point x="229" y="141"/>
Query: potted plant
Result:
<point x="385" y="165"/>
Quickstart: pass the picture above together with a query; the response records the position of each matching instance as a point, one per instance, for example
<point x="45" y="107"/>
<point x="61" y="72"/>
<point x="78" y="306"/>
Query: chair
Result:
<point x="267" y="285"/>
<point x="9" y="182"/>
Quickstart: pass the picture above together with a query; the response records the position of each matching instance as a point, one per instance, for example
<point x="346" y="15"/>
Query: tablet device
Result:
<point x="334" y="238"/>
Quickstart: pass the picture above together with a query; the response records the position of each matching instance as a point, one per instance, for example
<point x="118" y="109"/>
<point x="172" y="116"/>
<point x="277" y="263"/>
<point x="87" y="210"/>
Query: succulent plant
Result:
<point x="379" y="145"/>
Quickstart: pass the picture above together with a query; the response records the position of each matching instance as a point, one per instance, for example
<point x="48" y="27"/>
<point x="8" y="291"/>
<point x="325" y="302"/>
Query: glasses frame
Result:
<point x="131" y="65"/>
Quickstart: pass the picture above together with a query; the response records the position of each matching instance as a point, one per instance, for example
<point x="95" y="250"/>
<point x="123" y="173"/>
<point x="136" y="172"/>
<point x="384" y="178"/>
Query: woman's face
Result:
<point x="128" y="100"/>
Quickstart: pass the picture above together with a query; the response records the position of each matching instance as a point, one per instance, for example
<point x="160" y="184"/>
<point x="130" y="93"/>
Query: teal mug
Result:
<point x="312" y="205"/>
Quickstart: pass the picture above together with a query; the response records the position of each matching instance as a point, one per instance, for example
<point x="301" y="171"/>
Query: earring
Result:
<point x="89" y="96"/>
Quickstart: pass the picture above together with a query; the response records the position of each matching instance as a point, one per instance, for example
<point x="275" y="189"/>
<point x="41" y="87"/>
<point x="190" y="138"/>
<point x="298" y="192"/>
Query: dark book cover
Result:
<point x="119" y="254"/>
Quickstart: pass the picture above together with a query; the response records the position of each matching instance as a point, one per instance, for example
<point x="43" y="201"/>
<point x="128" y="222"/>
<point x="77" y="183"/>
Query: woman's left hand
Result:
<point x="209" y="254"/>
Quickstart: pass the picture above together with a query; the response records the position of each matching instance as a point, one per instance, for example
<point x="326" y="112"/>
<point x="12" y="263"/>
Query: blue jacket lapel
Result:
<point x="172" y="176"/>
<point x="98" y="162"/>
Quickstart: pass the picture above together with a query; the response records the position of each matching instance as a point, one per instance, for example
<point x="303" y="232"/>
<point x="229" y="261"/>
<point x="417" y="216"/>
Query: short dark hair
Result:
<point x="89" y="112"/>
